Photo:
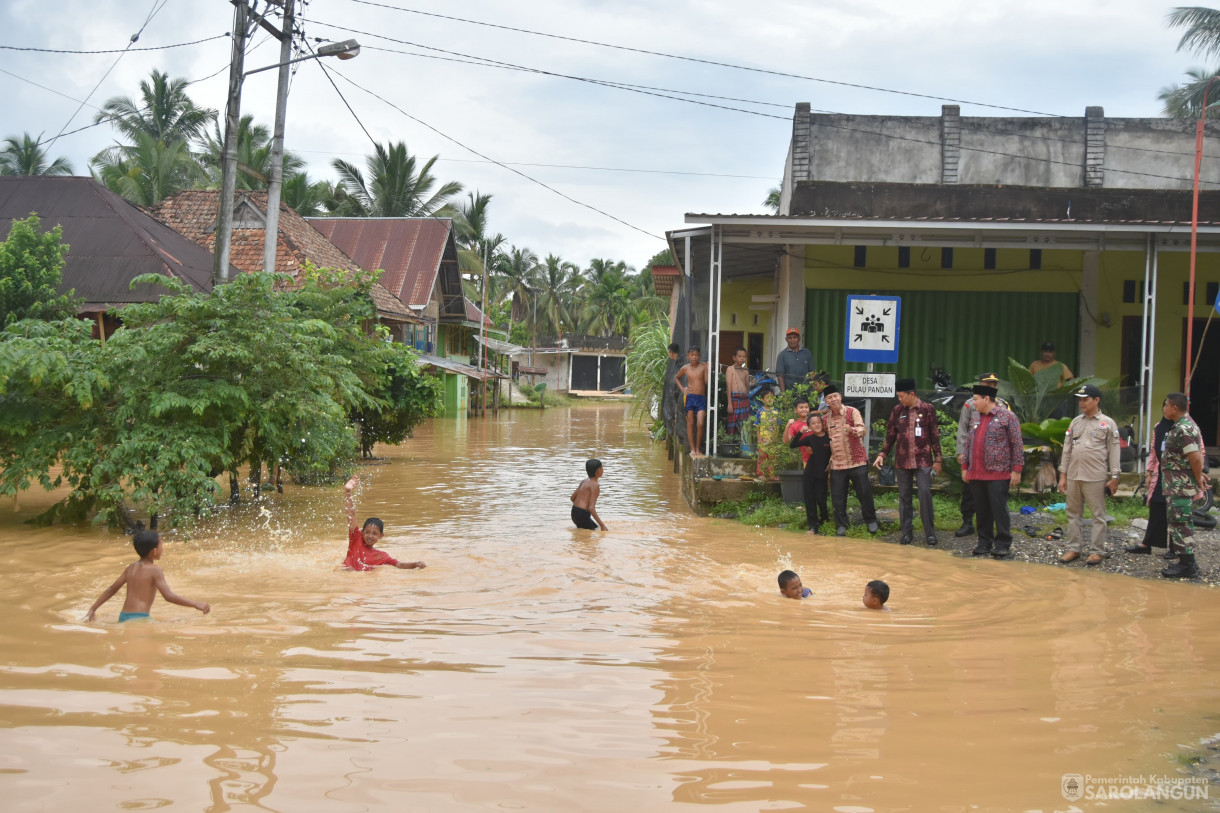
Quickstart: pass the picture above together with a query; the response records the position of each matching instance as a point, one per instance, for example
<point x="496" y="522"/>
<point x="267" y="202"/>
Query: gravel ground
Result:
<point x="1045" y="551"/>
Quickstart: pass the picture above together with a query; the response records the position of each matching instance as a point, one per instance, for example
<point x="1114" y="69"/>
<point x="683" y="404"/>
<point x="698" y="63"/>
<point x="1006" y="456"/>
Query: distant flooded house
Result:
<point x="420" y="261"/>
<point x="997" y="233"/>
<point x="111" y="243"/>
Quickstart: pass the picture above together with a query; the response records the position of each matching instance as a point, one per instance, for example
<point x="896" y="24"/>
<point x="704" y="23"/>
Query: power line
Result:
<point x="698" y="60"/>
<point x="115" y="50"/>
<point x="476" y="152"/>
<point x="134" y="37"/>
<point x="634" y="89"/>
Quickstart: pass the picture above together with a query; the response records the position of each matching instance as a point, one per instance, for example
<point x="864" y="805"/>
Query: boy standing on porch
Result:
<point x="737" y="380"/>
<point x="695" y="393"/>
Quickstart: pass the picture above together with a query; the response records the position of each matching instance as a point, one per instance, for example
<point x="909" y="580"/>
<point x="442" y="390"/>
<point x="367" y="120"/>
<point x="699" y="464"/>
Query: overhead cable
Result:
<point x="115" y="50"/>
<point x="697" y="59"/>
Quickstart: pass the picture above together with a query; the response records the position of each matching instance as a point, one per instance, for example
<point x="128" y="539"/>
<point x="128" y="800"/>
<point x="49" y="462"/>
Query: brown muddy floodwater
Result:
<point x="536" y="667"/>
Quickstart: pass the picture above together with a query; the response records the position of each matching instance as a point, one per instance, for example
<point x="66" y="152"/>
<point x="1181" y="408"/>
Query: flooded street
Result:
<point x="532" y="666"/>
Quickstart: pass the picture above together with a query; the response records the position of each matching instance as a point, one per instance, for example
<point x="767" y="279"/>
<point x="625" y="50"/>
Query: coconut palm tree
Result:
<point x="25" y="156"/>
<point x="305" y="197"/>
<point x="148" y="171"/>
<point x="164" y="111"/>
<point x="555" y="281"/>
<point x="473" y="241"/>
<point x="515" y="269"/>
<point x="253" y="156"/>
<point x="772" y="200"/>
<point x="606" y="296"/>
<point x="1185" y="101"/>
<point x="1202" y="29"/>
<point x="397" y="186"/>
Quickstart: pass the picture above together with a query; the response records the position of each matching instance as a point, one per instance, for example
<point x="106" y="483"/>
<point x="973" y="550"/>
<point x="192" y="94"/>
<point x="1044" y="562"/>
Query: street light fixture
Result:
<point x="346" y="49"/>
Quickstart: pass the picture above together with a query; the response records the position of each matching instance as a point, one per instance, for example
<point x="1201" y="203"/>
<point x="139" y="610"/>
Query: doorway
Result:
<point x="1205" y="383"/>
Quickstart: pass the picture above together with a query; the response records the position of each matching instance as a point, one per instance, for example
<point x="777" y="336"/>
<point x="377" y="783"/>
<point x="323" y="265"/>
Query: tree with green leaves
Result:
<point x="257" y="372"/>
<point x="555" y="282"/>
<point x="31" y="270"/>
<point x="25" y="156"/>
<point x="772" y="200"/>
<point x="164" y="112"/>
<point x="397" y="186"/>
<point x="253" y="156"/>
<point x="1200" y="35"/>
<point x="148" y="171"/>
<point x="515" y="269"/>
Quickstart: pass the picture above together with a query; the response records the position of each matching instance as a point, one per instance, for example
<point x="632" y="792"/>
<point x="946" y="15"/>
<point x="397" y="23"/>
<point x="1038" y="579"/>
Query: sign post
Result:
<point x="872" y="337"/>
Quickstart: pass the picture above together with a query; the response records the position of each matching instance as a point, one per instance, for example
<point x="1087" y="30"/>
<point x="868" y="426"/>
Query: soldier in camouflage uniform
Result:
<point x="1183" y="483"/>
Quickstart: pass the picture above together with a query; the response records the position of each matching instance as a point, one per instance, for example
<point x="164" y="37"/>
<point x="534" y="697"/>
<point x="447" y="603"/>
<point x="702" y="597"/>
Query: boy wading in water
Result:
<point x="695" y="392"/>
<point x="144" y="579"/>
<point x="584" y="498"/>
<point x="361" y="555"/>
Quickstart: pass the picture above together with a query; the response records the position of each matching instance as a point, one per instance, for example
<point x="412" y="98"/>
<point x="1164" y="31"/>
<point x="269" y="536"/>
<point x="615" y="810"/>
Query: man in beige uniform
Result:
<point x="1088" y="467"/>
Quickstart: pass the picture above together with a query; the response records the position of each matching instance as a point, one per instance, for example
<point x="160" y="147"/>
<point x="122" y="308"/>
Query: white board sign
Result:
<point x="868" y="385"/>
<point x="872" y="329"/>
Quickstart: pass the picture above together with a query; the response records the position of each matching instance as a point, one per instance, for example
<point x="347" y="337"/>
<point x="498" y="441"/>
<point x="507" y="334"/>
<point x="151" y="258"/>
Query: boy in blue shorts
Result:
<point x="695" y="393"/>
<point x="144" y="579"/>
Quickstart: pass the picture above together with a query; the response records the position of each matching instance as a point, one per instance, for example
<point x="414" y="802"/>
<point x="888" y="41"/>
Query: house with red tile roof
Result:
<point x="419" y="258"/>
<point x="193" y="214"/>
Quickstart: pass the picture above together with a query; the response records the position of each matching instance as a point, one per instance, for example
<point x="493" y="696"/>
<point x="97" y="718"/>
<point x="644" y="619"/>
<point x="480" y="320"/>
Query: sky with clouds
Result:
<point x="640" y="158"/>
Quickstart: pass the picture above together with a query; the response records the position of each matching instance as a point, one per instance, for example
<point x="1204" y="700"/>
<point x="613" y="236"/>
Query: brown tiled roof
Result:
<point x="111" y="241"/>
<point x="473" y="314"/>
<point x="409" y="249"/>
<point x="193" y="213"/>
<point x="663" y="278"/>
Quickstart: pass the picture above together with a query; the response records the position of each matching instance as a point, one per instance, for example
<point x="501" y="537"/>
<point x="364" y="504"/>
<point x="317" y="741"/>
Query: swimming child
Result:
<point x="144" y="579"/>
<point x="361" y="555"/>
<point x="876" y="594"/>
<point x="584" y="498"/>
<point x="790" y="586"/>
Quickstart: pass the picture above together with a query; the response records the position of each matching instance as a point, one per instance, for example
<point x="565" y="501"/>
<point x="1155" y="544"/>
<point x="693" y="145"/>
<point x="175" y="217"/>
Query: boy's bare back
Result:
<point x="586" y="494"/>
<point x="143" y="580"/>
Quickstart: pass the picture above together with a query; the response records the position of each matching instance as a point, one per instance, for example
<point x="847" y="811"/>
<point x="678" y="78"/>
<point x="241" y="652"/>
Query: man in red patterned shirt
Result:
<point x="913" y="434"/>
<point x="994" y="458"/>
<point x="848" y="461"/>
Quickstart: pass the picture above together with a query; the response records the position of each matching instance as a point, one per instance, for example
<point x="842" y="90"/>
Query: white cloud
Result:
<point x="1041" y="55"/>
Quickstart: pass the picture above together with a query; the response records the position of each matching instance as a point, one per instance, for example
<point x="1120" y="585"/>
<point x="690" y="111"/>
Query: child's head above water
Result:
<point x="372" y="530"/>
<point x="790" y="585"/>
<point x="145" y="542"/>
<point x="876" y="593"/>
<point x="592" y="467"/>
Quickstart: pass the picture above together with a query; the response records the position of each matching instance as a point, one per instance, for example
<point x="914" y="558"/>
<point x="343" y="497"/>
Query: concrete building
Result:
<point x="998" y="233"/>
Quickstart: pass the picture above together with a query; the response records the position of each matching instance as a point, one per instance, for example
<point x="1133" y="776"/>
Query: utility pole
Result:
<point x="271" y="234"/>
<point x="228" y="179"/>
<point x="483" y="329"/>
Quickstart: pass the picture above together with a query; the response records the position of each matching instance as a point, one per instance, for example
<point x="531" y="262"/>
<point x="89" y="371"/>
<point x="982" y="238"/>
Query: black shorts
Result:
<point x="583" y="519"/>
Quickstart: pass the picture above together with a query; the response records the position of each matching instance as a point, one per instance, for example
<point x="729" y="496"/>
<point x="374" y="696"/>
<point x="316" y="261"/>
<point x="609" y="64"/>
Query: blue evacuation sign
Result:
<point x="872" y="329"/>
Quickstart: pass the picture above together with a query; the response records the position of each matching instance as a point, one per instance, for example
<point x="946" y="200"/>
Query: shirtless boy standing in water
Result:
<point x="584" y="498"/>
<point x="144" y="579"/>
<point x="695" y="392"/>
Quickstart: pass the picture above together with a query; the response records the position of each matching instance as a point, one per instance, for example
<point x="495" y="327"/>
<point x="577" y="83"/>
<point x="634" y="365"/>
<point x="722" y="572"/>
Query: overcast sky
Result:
<point x="659" y="158"/>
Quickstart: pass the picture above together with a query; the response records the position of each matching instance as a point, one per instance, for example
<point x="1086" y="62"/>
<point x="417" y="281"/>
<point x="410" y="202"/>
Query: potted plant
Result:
<point x="727" y="445"/>
<point x="782" y="461"/>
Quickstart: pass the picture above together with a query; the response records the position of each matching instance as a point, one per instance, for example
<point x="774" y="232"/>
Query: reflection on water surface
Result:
<point x="536" y="667"/>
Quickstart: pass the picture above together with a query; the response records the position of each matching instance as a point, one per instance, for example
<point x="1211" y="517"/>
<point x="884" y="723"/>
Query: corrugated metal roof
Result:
<point x="457" y="367"/>
<point x="110" y="240"/>
<point x="473" y="314"/>
<point x="410" y="250"/>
